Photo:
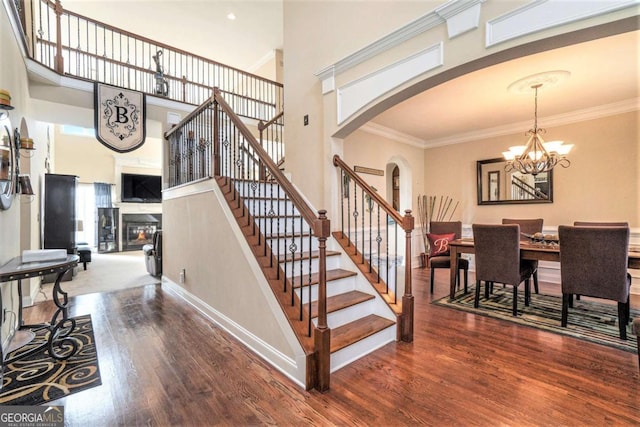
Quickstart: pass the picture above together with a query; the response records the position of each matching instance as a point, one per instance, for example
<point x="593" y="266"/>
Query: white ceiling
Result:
<point x="197" y="26"/>
<point x="603" y="72"/>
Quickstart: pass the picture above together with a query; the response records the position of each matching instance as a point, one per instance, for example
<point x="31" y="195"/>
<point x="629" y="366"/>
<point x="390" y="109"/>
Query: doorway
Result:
<point x="395" y="185"/>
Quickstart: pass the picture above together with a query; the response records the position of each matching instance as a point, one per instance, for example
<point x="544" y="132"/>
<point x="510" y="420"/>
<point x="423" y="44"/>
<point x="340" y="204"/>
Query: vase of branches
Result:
<point x="432" y="208"/>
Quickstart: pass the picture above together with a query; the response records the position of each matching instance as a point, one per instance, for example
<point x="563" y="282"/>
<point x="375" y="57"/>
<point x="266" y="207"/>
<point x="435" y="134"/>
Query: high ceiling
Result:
<point x="603" y="72"/>
<point x="197" y="26"/>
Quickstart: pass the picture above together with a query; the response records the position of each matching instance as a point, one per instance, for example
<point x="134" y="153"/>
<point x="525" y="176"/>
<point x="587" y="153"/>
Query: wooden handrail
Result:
<point x="190" y="116"/>
<point x="399" y="219"/>
<point x="407" y="223"/>
<point x="262" y="126"/>
<point x="53" y="5"/>
<point x="305" y="211"/>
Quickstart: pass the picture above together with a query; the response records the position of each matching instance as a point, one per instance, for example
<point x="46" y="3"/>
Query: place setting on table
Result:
<point x="592" y="319"/>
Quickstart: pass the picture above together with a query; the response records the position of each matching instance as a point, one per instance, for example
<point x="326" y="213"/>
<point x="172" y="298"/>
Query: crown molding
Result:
<point x="407" y="32"/>
<point x="376" y="129"/>
<point x="626" y="106"/>
<point x="543" y="14"/>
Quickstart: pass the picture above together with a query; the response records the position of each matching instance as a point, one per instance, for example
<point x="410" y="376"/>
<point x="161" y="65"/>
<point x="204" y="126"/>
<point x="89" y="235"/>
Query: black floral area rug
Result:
<point x="39" y="378"/>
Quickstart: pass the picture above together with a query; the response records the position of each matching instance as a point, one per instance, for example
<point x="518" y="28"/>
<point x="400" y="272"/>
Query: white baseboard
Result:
<point x="292" y="368"/>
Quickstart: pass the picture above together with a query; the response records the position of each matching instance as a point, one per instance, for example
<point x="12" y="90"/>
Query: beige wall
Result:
<point x="373" y="151"/>
<point x="602" y="182"/>
<point x="91" y="161"/>
<point x="203" y="238"/>
<point x="316" y="34"/>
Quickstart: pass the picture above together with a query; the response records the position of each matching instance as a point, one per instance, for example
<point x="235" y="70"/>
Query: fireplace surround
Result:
<point x="138" y="230"/>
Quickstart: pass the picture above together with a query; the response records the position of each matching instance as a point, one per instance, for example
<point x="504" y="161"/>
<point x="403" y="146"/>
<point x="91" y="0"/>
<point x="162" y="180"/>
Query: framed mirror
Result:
<point x="497" y="186"/>
<point x="7" y="166"/>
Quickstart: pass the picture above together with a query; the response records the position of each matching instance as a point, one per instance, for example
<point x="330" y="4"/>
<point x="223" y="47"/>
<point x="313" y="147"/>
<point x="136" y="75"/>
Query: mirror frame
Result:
<point x="479" y="165"/>
<point x="7" y="189"/>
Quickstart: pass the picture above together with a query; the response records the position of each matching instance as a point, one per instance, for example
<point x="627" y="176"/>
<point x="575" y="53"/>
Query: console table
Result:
<point x="60" y="345"/>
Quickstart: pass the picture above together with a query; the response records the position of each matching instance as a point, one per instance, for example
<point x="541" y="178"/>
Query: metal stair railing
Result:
<point x="77" y="46"/>
<point x="373" y="229"/>
<point x="290" y="230"/>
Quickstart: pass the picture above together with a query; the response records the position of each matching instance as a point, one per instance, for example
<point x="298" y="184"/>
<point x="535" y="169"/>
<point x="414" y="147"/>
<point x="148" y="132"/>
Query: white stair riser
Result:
<point x="262" y="189"/>
<point x="333" y="262"/>
<point x="349" y="314"/>
<point x="261" y="207"/>
<point x="334" y="287"/>
<point x="270" y="226"/>
<point x="361" y="348"/>
<point x="280" y="246"/>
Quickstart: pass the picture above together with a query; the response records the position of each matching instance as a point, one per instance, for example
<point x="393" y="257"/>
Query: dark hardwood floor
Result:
<point x="164" y="364"/>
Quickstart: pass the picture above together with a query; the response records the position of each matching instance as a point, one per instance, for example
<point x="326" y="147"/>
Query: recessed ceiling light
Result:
<point x="231" y="16"/>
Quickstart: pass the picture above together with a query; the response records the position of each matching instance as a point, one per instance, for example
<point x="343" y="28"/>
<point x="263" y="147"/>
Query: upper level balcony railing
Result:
<point x="81" y="47"/>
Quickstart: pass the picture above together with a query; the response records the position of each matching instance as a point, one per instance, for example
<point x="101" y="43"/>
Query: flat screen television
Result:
<point x="141" y="188"/>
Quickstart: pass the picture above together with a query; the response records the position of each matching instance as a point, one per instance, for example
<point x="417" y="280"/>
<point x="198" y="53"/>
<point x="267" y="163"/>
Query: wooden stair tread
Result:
<point x="340" y="301"/>
<point x="334" y="274"/>
<point x="355" y="331"/>
<point x="305" y="255"/>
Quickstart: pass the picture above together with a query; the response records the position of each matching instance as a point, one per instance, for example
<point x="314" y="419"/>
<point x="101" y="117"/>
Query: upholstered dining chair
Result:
<point x="497" y="253"/>
<point x="439" y="256"/>
<point x="600" y="224"/>
<point x="593" y="262"/>
<point x="530" y="227"/>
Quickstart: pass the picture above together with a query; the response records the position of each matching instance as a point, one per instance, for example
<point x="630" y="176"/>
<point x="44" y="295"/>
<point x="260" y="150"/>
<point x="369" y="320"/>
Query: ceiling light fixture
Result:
<point x="537" y="156"/>
<point x="231" y="16"/>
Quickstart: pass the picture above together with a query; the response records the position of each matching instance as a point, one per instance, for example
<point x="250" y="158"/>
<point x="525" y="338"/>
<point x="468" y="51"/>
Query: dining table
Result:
<point x="528" y="250"/>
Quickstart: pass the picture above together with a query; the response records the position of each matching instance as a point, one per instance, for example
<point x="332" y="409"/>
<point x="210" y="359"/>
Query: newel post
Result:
<point x="322" y="333"/>
<point x="59" y="60"/>
<point x="406" y="329"/>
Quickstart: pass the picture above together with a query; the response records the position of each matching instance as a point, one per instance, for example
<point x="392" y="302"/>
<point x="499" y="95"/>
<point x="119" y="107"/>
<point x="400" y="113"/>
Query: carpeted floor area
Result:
<point x="105" y="273"/>
<point x="588" y="319"/>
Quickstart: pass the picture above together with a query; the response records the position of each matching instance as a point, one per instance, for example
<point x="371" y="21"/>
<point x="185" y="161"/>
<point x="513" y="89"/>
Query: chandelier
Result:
<point x="537" y="156"/>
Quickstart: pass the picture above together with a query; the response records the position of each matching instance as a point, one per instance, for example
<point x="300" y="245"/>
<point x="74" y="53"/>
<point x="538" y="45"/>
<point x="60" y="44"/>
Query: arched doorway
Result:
<point x="395" y="188"/>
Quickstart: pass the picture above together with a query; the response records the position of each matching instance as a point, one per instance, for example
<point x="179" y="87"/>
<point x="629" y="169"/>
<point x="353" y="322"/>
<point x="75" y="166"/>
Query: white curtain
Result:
<point x="86" y="214"/>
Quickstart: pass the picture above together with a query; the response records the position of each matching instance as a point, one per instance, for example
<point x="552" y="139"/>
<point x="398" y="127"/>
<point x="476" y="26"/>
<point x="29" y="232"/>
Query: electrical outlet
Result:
<point x="183" y="273"/>
<point x="306" y="119"/>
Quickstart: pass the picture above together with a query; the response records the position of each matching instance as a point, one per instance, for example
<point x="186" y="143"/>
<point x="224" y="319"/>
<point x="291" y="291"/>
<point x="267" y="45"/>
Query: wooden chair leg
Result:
<point x="565" y="309"/>
<point x="527" y="292"/>
<point x="466" y="280"/>
<point x="515" y="300"/>
<point x="622" y="320"/>
<point x="535" y="282"/>
<point x="432" y="270"/>
<point x="476" y="300"/>
<point x="487" y="287"/>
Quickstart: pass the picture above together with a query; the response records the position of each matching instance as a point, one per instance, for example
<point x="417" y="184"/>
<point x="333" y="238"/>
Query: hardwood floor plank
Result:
<point x="164" y="364"/>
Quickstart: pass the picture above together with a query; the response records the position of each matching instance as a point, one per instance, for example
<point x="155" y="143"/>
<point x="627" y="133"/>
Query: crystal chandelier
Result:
<point x="537" y="156"/>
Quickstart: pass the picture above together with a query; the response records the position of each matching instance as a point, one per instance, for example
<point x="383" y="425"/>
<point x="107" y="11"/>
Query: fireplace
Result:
<point x="138" y="230"/>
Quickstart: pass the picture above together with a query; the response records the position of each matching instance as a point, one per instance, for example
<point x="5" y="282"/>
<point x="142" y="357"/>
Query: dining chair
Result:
<point x="636" y="330"/>
<point x="600" y="224"/>
<point x="497" y="254"/>
<point x="530" y="227"/>
<point x="593" y="263"/>
<point x="442" y="259"/>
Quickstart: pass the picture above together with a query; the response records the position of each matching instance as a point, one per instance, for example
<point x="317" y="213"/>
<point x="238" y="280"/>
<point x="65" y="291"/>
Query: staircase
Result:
<point x="359" y="318"/>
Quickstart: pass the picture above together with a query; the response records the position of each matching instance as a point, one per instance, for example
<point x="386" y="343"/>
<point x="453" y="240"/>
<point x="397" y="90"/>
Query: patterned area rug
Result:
<point x="588" y="320"/>
<point x="39" y="378"/>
